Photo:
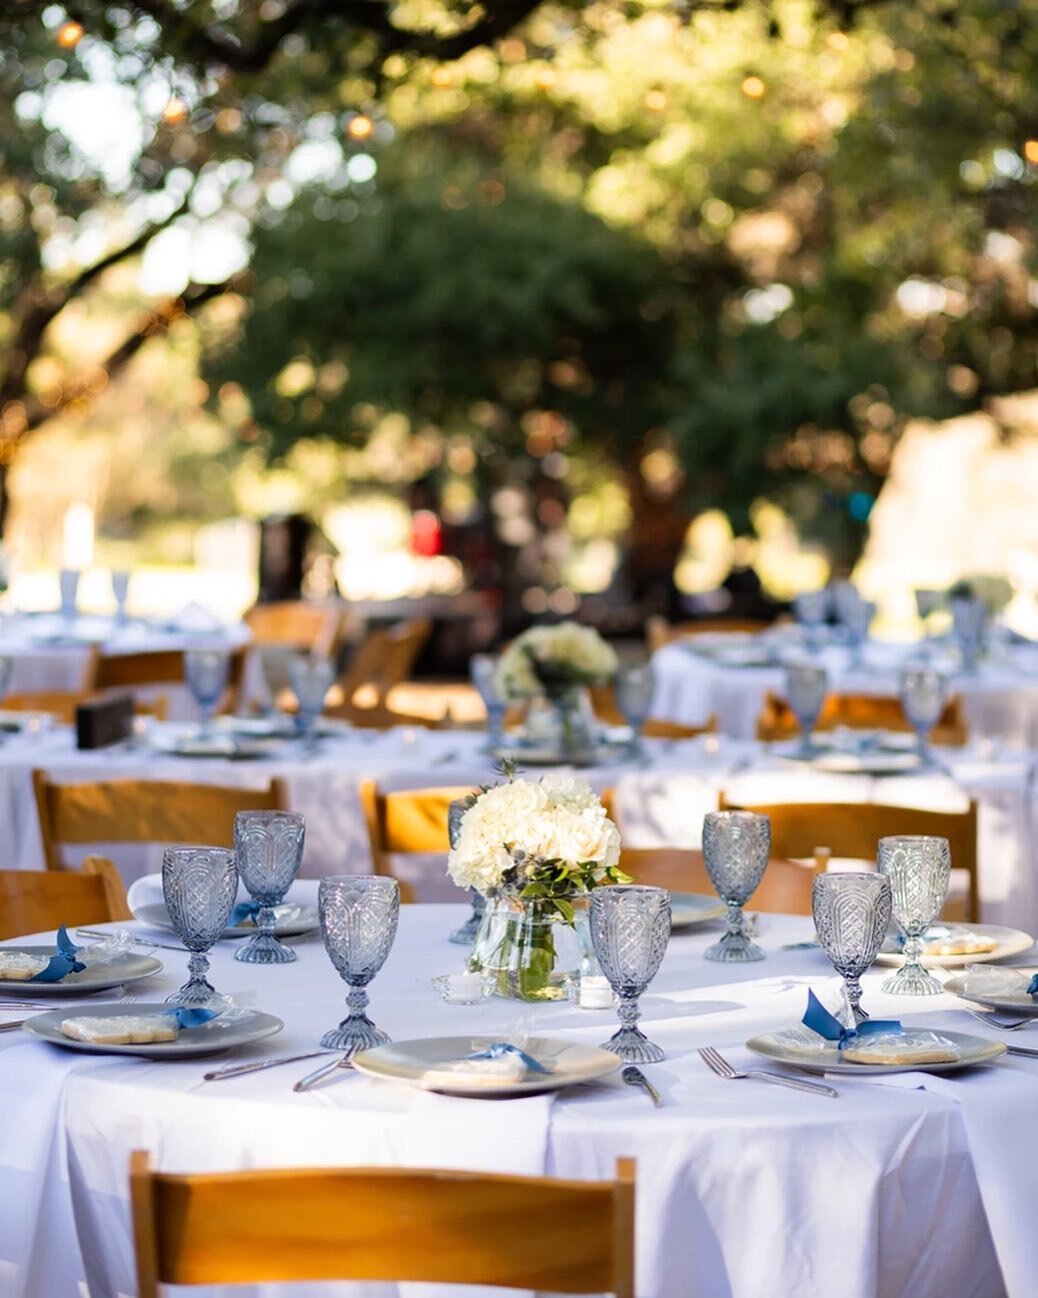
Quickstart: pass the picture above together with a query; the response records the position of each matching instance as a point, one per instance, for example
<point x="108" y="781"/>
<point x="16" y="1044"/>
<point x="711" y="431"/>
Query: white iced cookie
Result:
<point x="18" y="966"/>
<point x="907" y="1052"/>
<point x="960" y="945"/>
<point x="121" y="1029"/>
<point x="475" y="1072"/>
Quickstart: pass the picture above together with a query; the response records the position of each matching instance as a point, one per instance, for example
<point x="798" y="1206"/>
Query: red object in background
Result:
<point x="426" y="533"/>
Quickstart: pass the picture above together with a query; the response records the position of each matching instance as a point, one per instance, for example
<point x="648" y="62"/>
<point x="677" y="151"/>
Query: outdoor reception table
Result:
<point x="659" y="803"/>
<point x="744" y="1190"/>
<point x="1000" y="698"/>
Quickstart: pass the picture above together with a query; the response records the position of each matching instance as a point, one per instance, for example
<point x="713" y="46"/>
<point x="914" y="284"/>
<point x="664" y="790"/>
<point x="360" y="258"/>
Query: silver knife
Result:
<point x="13" y="1023"/>
<point x="311" y="1079"/>
<point x="635" y="1077"/>
<point x="1028" y="1051"/>
<point x="236" y="1070"/>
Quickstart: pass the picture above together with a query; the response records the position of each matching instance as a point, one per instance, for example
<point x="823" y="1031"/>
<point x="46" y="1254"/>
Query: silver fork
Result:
<point x="719" y="1065"/>
<point x="1003" y="1025"/>
<point x="11" y="1024"/>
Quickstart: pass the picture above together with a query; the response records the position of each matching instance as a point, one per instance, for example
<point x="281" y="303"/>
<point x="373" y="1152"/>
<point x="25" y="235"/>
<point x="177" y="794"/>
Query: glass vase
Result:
<point x="564" y="720"/>
<point x="528" y="949"/>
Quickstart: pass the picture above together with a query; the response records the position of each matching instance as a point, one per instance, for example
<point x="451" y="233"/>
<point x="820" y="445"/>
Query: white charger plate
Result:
<point x="156" y="914"/>
<point x="94" y="978"/>
<point x="866" y="763"/>
<point x="408" y="1061"/>
<point x="1010" y="942"/>
<point x="972" y="1050"/>
<point x="1011" y="1002"/>
<point x="690" y="908"/>
<point x="208" y="1039"/>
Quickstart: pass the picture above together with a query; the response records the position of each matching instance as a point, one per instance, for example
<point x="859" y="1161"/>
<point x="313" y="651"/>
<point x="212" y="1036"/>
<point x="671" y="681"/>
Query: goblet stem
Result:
<point x="630" y="1042"/>
<point x="356" y="1031"/>
<point x="922" y="746"/>
<point x="197" y="990"/>
<point x="205" y="728"/>
<point x="264" y="947"/>
<point x="853" y="985"/>
<point x="734" y="946"/>
<point x="495" y="727"/>
<point x="805" y="747"/>
<point x="466" y="934"/>
<point x="912" y="979"/>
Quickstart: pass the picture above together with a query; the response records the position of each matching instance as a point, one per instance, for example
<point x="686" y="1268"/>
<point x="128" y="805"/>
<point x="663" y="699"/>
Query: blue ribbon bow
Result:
<point x="243" y="911"/>
<point x="818" y="1019"/>
<point x="1032" y="987"/>
<point x="62" y="963"/>
<point x="191" y="1018"/>
<point x="501" y="1048"/>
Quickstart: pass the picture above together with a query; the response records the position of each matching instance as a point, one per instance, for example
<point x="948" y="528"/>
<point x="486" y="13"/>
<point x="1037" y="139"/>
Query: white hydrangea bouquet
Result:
<point x="533" y="849"/>
<point x="549" y="660"/>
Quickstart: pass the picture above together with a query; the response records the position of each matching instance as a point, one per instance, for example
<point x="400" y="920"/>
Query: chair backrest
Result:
<point x="135" y="670"/>
<point x="383" y="1223"/>
<point x="34" y="900"/>
<point x="785" y="888"/>
<point x="406" y="821"/>
<point x="143" y="811"/>
<point x="383" y="659"/>
<point x="859" y="712"/>
<point x="852" y="829"/>
<point x="297" y="624"/>
<point x="660" y="632"/>
<point x="380" y="717"/>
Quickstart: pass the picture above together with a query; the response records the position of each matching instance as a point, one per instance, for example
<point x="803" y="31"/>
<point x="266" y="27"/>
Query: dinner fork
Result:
<point x="719" y="1065"/>
<point x="1003" y="1025"/>
<point x="11" y="1024"/>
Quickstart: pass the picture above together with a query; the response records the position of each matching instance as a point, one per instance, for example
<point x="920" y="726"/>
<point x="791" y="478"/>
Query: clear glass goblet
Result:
<point x="811" y="609"/>
<point x="806" y="687"/>
<point x="6" y="667"/>
<point x="630" y="927"/>
<point x="922" y="693"/>
<point x="68" y="586"/>
<point x="120" y="590"/>
<point x="483" y="670"/>
<point x="851" y="911"/>
<point x="735" y="849"/>
<point x="269" y="849"/>
<point x="207" y="672"/>
<point x="359" y="914"/>
<point x="635" y="688"/>
<point x="856" y="614"/>
<point x="969" y="617"/>
<point x="311" y="678"/>
<point x="199" y="885"/>
<point x="918" y="867"/>
<point x="466" y="934"/>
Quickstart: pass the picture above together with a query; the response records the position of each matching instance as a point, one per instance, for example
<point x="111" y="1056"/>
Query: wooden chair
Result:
<point x="406" y="822"/>
<point x="141" y="670"/>
<point x="383" y="1223"/>
<point x="296" y="624"/>
<point x="383" y="659"/>
<point x="660" y="632"/>
<point x="380" y="717"/>
<point x="143" y="811"/>
<point x="62" y="704"/>
<point x="852" y="829"/>
<point x="859" y="712"/>
<point x="785" y="888"/>
<point x="32" y="901"/>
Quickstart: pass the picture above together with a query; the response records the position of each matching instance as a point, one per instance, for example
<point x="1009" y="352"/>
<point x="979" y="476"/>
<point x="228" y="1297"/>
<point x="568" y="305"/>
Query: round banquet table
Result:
<point x="1000" y="698"/>
<point x="659" y="802"/>
<point x="744" y="1190"/>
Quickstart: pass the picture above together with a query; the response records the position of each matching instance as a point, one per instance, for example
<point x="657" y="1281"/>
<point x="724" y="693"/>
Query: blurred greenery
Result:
<point x="760" y="236"/>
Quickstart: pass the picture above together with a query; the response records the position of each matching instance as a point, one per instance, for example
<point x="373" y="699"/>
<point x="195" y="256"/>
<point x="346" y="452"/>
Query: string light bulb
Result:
<point x="360" y="127"/>
<point x="754" y="88"/>
<point x="174" y="112"/>
<point x="1031" y="151"/>
<point x="69" y="34"/>
<point x="655" y="100"/>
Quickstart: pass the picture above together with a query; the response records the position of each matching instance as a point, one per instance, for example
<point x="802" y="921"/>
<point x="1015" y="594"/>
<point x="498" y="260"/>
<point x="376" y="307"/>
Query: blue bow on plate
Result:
<point x="62" y="963"/>
<point x="1032" y="987"/>
<point x="500" y="1048"/>
<point x="243" y="911"/>
<point x="190" y="1018"/>
<point x="818" y="1019"/>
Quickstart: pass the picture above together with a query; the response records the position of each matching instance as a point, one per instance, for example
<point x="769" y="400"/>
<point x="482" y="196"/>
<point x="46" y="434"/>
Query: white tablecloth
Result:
<point x="744" y="1190"/>
<point x="1000" y="698"/>
<point x="658" y="804"/>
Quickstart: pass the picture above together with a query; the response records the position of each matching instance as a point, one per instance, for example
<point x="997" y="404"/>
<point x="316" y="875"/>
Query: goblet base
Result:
<point x="911" y="980"/>
<point x="196" y="993"/>
<point x="354" y="1034"/>
<point x="734" y="948"/>
<point x="633" y="1047"/>
<point x="264" y="948"/>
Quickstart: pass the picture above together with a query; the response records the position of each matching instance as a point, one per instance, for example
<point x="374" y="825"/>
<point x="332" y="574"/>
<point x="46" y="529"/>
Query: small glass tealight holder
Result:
<point x="593" y="992"/>
<point x="463" y="988"/>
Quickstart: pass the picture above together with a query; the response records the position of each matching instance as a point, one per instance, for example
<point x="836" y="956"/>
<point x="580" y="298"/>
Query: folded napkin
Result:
<point x="194" y="617"/>
<point x="995" y="980"/>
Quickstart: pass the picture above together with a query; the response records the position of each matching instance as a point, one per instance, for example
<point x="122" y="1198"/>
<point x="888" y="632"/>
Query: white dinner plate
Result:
<point x="407" y="1061"/>
<point x="94" y="978"/>
<point x="867" y="763"/>
<point x="545" y="755"/>
<point x="690" y="908"/>
<point x="225" y="747"/>
<point x="1011" y="1002"/>
<point x="207" y="1039"/>
<point x="1009" y="942"/>
<point x="294" y="923"/>
<point x="972" y="1050"/>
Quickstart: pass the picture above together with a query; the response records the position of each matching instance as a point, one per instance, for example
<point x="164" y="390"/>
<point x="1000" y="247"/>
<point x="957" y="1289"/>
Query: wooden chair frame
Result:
<point x="383" y="1223"/>
<point x="143" y="811"/>
<point x="859" y="712"/>
<point x="32" y="901"/>
<point x="166" y="666"/>
<point x="406" y="821"/>
<point x="297" y="623"/>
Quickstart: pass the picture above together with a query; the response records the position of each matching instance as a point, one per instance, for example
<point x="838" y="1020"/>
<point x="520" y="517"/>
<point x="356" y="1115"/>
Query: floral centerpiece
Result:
<point x="557" y="664"/>
<point x="534" y="849"/>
